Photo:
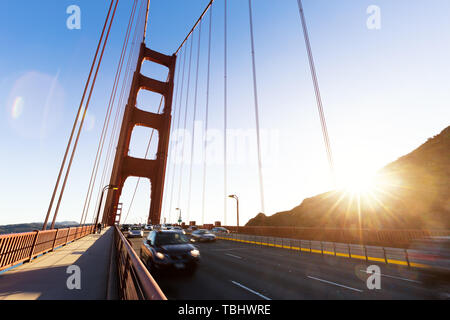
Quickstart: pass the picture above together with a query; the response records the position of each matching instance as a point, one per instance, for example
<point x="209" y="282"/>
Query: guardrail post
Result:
<point x="407" y="258"/>
<point x="334" y="247"/>
<point x="54" y="240"/>
<point x="34" y="244"/>
<point x="365" y="252"/>
<point x="67" y="237"/>
<point x="384" y="253"/>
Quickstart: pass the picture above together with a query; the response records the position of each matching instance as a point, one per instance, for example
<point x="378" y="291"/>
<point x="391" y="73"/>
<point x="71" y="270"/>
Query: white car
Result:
<point x="135" y="232"/>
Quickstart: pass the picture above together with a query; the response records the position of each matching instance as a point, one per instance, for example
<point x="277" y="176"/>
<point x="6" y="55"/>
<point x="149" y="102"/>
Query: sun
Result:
<point x="357" y="182"/>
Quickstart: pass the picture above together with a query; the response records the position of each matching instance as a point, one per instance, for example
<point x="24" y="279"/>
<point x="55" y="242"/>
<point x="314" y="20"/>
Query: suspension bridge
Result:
<point x="35" y="264"/>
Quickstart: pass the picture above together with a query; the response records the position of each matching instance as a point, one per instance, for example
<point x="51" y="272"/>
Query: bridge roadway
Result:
<point x="46" y="277"/>
<point x="230" y="270"/>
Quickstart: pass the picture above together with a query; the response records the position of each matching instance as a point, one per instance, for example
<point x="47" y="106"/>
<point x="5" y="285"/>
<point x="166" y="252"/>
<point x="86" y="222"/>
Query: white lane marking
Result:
<point x="232" y="255"/>
<point x="393" y="277"/>
<point x="250" y="290"/>
<point x="230" y="249"/>
<point x="334" y="283"/>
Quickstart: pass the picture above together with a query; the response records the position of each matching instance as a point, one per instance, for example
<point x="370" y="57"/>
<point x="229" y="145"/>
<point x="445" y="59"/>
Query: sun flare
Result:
<point x="358" y="182"/>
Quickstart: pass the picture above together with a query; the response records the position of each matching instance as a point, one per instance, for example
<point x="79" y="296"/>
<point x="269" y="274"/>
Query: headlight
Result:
<point x="195" y="253"/>
<point x="160" y="256"/>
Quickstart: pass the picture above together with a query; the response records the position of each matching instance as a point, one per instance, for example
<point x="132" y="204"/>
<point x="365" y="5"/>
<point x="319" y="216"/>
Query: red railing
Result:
<point x="399" y="238"/>
<point x="135" y="282"/>
<point x="23" y="247"/>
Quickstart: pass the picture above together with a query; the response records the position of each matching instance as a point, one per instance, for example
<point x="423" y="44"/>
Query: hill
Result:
<point x="411" y="193"/>
<point x="26" y="227"/>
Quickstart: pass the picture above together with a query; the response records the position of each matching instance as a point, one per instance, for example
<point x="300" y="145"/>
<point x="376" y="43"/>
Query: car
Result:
<point x="179" y="229"/>
<point x="220" y="230"/>
<point x="166" y="226"/>
<point x="191" y="229"/>
<point x="433" y="252"/>
<point x="148" y="227"/>
<point x="169" y="251"/>
<point x="125" y="227"/>
<point x="202" y="235"/>
<point x="135" y="232"/>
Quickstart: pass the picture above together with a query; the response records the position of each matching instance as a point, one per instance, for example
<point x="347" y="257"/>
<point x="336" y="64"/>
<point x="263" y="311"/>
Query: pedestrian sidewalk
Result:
<point x="47" y="277"/>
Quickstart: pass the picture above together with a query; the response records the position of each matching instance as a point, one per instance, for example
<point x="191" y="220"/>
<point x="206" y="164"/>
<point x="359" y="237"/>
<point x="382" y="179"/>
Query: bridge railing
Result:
<point x="384" y="254"/>
<point x="135" y="282"/>
<point x="396" y="238"/>
<point x="18" y="248"/>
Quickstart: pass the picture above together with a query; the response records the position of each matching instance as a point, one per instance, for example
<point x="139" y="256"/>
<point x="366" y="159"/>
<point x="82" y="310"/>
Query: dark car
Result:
<point x="219" y="230"/>
<point x="203" y="235"/>
<point x="168" y="250"/>
<point x="191" y="229"/>
<point x="125" y="227"/>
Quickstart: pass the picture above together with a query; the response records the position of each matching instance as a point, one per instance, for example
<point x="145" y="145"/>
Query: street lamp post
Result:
<point x="233" y="196"/>
<point x="179" y="217"/>
<point x="100" y="203"/>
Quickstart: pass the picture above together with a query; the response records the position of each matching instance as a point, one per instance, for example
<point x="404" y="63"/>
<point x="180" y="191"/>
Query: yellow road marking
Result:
<point x="354" y="256"/>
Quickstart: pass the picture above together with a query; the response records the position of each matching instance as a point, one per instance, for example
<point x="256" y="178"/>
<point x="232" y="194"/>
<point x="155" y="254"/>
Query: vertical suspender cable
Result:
<point x="111" y="103"/>
<point x="317" y="91"/>
<point x="120" y="107"/>
<point x="178" y="126"/>
<point x="206" y="119"/>
<point x="193" y="122"/>
<point x="171" y="148"/>
<point x="77" y="117"/>
<point x="185" y="124"/>
<point x="255" y="93"/>
<point x="225" y="123"/>
<point x="83" y="118"/>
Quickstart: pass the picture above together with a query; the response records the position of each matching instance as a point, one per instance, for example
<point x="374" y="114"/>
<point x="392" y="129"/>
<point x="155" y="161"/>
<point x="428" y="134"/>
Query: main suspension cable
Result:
<point x="195" y="26"/>
<point x="255" y="93"/>
<point x="317" y="91"/>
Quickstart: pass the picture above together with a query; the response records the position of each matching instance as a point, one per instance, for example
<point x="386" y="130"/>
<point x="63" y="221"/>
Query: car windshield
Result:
<point x="136" y="229"/>
<point x="170" y="238"/>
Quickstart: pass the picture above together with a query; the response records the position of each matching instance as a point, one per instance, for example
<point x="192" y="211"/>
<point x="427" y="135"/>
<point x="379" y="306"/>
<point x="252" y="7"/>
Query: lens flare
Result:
<point x="17" y="108"/>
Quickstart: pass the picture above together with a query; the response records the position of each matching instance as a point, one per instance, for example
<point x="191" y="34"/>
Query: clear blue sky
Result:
<point x="384" y="92"/>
